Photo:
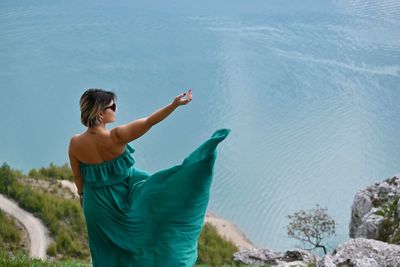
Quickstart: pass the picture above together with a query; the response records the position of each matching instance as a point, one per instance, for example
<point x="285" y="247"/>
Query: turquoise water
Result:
<point x="310" y="91"/>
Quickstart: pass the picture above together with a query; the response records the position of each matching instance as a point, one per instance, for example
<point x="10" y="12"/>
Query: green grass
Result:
<point x="21" y="260"/>
<point x="213" y="249"/>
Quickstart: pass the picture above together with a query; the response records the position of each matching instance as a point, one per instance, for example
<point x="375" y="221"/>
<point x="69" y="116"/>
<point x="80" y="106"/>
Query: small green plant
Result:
<point x="390" y="228"/>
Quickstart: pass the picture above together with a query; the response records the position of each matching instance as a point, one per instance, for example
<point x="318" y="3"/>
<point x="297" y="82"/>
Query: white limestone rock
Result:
<point x="369" y="209"/>
<point x="361" y="252"/>
<point x="267" y="257"/>
<point x="362" y="205"/>
<point x="370" y="226"/>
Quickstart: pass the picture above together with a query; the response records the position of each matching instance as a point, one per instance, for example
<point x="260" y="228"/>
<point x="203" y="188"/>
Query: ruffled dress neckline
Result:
<point x="110" y="171"/>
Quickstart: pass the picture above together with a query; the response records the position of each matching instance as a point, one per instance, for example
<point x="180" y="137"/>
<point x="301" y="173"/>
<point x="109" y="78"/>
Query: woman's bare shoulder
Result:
<point x="94" y="148"/>
<point x="73" y="141"/>
<point x="75" y="138"/>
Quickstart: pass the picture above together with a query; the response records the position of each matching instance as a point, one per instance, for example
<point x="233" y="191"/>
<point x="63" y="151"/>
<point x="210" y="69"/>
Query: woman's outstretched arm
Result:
<point x="127" y="132"/>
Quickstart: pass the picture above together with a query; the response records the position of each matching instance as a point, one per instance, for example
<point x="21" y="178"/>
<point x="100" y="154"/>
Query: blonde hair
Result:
<point x="92" y="102"/>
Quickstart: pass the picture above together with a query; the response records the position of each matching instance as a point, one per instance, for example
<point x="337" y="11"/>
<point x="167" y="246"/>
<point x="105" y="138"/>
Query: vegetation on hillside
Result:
<point x="387" y="207"/>
<point x="63" y="217"/>
<point x="63" y="172"/>
<point x="213" y="249"/>
<point x="10" y="234"/>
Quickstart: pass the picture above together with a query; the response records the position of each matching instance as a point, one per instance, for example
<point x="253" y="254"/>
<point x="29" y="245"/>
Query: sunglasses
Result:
<point x="113" y="107"/>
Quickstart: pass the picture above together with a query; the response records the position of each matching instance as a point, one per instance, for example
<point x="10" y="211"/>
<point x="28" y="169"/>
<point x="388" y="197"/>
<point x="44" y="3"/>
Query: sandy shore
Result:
<point x="229" y="231"/>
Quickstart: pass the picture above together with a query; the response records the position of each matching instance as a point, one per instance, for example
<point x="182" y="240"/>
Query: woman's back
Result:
<point x="96" y="147"/>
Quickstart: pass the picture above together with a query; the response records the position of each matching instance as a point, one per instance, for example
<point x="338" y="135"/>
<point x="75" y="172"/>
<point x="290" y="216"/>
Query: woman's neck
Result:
<point x="97" y="129"/>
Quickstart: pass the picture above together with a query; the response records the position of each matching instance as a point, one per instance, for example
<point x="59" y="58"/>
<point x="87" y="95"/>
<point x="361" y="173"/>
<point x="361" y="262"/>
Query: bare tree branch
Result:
<point x="311" y="227"/>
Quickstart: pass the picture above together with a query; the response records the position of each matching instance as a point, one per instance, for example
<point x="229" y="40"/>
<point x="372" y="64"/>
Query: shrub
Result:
<point x="63" y="172"/>
<point x="10" y="234"/>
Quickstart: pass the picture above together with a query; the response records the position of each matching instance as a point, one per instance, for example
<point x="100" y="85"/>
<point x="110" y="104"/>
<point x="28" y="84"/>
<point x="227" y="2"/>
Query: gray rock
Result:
<point x="370" y="226"/>
<point x="384" y="187"/>
<point x="365" y="222"/>
<point x="362" y="205"/>
<point x="361" y="252"/>
<point x="263" y="257"/>
<point x="256" y="256"/>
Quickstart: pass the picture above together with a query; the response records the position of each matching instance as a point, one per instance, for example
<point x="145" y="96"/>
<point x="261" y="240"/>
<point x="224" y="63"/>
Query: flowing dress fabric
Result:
<point x="139" y="219"/>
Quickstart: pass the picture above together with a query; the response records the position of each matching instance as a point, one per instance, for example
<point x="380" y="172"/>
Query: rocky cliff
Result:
<point x="357" y="252"/>
<point x="375" y="212"/>
<point x="361" y="252"/>
<point x="375" y="215"/>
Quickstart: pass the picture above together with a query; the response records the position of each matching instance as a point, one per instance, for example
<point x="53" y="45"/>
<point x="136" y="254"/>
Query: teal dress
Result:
<point x="137" y="219"/>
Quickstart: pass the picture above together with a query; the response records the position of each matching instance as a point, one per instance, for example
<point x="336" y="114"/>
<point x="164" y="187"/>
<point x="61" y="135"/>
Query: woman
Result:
<point x="135" y="218"/>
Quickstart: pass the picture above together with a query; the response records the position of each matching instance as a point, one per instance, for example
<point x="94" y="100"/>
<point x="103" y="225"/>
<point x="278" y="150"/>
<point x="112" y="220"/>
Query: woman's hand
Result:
<point x="180" y="100"/>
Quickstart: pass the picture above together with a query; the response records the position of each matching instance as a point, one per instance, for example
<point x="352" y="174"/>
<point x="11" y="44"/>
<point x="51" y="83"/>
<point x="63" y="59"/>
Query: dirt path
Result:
<point x="36" y="230"/>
